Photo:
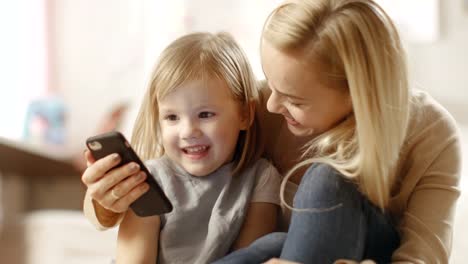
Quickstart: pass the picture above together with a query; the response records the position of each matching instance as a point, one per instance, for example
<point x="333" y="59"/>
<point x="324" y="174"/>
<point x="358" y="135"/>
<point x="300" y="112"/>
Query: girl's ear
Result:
<point x="248" y="115"/>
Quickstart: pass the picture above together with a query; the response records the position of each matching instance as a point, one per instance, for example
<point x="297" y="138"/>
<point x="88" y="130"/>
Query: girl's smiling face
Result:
<point x="200" y="123"/>
<point x="299" y="94"/>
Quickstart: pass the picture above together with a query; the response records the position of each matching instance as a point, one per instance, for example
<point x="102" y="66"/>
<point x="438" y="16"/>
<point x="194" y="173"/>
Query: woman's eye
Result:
<point x="171" y="117"/>
<point x="295" y="104"/>
<point x="206" y="114"/>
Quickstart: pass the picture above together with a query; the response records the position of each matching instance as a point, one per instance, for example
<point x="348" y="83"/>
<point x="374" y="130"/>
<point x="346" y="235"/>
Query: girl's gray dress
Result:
<point x="208" y="211"/>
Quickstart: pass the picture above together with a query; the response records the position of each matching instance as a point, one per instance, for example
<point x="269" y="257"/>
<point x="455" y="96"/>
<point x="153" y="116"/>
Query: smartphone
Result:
<point x="154" y="201"/>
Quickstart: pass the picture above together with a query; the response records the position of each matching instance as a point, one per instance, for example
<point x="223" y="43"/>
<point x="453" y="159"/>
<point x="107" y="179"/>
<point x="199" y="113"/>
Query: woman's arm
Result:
<point x="138" y="239"/>
<point x="259" y="221"/>
<point x="426" y="225"/>
<point x="99" y="216"/>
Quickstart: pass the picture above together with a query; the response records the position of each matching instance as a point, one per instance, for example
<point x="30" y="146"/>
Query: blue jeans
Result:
<point x="351" y="228"/>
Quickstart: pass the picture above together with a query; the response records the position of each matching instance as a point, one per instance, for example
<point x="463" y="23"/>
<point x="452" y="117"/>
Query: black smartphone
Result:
<point x="154" y="201"/>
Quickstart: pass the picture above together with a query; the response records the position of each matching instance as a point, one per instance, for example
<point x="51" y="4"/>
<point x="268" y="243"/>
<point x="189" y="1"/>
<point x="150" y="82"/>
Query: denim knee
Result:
<point x="261" y="250"/>
<point x="273" y="241"/>
<point x="323" y="187"/>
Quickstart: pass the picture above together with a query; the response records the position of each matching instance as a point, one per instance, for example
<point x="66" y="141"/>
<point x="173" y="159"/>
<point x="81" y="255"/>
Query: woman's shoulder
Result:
<point x="432" y="139"/>
<point x="429" y="118"/>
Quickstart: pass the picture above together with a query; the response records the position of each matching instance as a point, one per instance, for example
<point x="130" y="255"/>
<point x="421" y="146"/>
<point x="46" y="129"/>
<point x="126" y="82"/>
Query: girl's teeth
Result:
<point x="196" y="149"/>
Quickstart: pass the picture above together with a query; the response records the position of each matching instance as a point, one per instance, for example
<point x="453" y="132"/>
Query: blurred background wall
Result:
<point x="99" y="53"/>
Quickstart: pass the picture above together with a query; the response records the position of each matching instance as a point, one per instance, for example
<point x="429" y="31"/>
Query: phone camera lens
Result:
<point x="94" y="145"/>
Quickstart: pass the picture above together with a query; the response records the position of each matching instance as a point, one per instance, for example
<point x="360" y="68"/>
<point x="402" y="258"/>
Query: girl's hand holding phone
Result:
<point x="113" y="189"/>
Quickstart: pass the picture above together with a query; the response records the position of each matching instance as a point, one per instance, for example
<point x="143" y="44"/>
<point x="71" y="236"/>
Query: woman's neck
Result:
<point x="287" y="152"/>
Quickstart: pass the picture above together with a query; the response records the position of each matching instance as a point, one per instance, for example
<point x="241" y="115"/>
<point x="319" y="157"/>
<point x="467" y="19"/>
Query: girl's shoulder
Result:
<point x="267" y="183"/>
<point x="163" y="169"/>
<point x="264" y="172"/>
<point x="161" y="163"/>
<point x="261" y="166"/>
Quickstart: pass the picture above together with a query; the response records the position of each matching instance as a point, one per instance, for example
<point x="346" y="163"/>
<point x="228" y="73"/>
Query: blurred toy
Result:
<point x="45" y="122"/>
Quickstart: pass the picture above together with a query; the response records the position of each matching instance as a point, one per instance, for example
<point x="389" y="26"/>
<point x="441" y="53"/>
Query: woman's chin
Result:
<point x="300" y="131"/>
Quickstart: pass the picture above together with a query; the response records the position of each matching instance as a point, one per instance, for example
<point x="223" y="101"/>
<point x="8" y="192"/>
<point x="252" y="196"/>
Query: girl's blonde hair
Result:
<point x="199" y="56"/>
<point x="358" y="47"/>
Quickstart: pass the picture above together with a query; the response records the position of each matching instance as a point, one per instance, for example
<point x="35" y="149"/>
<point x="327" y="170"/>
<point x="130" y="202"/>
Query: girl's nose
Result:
<point x="190" y="130"/>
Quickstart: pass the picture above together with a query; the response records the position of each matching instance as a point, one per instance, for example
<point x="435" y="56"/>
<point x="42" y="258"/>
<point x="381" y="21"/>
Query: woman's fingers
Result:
<point x="122" y="188"/>
<point x="100" y="189"/>
<point x="114" y="189"/>
<point x="122" y="204"/>
<point x="97" y="170"/>
<point x="89" y="158"/>
<point x="118" y="175"/>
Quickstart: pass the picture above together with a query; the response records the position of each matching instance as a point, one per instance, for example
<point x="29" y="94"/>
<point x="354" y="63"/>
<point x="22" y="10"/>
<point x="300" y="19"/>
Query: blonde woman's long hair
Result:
<point x="358" y="46"/>
<point x="199" y="56"/>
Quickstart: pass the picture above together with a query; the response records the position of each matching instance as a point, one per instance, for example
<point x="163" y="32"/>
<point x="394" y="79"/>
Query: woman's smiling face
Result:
<point x="299" y="94"/>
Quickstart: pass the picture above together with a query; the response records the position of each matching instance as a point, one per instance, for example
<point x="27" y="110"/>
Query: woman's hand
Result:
<point x="113" y="189"/>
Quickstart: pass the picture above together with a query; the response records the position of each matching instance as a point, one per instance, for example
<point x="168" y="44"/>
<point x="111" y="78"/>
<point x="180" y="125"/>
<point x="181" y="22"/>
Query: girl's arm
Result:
<point x="259" y="221"/>
<point x="138" y="239"/>
<point x="261" y="217"/>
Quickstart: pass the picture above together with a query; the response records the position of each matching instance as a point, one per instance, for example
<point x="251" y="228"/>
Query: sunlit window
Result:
<point x="23" y="61"/>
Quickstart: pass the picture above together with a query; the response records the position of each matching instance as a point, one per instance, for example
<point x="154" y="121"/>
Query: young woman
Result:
<point x="385" y="160"/>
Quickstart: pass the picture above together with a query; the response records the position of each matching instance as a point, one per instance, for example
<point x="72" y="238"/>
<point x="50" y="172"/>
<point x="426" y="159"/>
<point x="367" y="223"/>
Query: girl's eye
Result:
<point x="206" y="115"/>
<point x="171" y="118"/>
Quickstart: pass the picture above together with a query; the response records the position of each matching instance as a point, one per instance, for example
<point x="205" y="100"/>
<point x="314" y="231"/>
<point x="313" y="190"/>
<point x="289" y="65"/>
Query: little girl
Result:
<point x="198" y="119"/>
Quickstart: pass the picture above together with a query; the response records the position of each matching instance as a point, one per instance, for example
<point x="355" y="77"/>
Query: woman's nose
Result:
<point x="274" y="103"/>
